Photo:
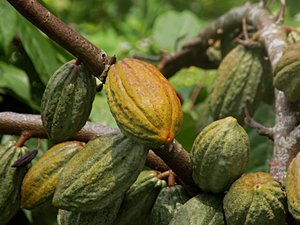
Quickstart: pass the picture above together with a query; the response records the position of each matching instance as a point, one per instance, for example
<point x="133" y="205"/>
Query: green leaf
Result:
<point x="16" y="80"/>
<point x="8" y="23"/>
<point x="172" y="25"/>
<point x="39" y="49"/>
<point x="101" y="112"/>
<point x="188" y="132"/>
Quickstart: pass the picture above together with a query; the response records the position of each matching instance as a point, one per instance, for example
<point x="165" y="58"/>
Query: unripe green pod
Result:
<point x="139" y="199"/>
<point x="67" y="101"/>
<point x="202" y="209"/>
<point x="100" y="173"/>
<point x="220" y="155"/>
<point x="10" y="180"/>
<point x="255" y="198"/>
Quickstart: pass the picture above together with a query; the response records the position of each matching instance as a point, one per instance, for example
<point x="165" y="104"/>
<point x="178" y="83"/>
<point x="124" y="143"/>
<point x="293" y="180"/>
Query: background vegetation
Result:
<point x="125" y="29"/>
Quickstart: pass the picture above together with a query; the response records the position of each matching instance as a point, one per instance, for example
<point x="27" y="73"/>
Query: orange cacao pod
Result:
<point x="143" y="102"/>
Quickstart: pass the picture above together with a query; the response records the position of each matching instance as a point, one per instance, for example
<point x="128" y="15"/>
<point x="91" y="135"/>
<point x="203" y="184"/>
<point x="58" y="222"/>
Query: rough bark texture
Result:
<point x="286" y="133"/>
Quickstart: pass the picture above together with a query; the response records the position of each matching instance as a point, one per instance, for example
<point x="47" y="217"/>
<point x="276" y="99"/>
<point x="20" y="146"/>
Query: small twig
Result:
<point x="178" y="39"/>
<point x="281" y="13"/>
<point x="260" y="129"/>
<point x="245" y="30"/>
<point x="149" y="58"/>
<point x="25" y="135"/>
<point x="195" y="95"/>
<point x="163" y="175"/>
<point x="171" y="179"/>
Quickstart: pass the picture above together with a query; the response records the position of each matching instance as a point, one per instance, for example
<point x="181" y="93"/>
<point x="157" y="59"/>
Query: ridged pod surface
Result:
<point x="243" y="79"/>
<point x="143" y="102"/>
<point x="40" y="181"/>
<point x="67" y="101"/>
<point x="293" y="187"/>
<point x="167" y="204"/>
<point x="101" y="172"/>
<point x="255" y="198"/>
<point x="220" y="155"/>
<point x="287" y="73"/>
<point x="10" y="180"/>
<point x="105" y="216"/>
<point x="202" y="209"/>
<point x="139" y="199"/>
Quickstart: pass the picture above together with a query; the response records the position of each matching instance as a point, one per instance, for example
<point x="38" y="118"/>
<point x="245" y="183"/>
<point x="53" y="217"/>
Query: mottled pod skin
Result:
<point x="40" y="181"/>
<point x="287" y="73"/>
<point x="139" y="199"/>
<point x="293" y="187"/>
<point x="202" y="209"/>
<point x="220" y="155"/>
<point x="167" y="203"/>
<point x="243" y="79"/>
<point x="105" y="216"/>
<point x="253" y="199"/>
<point x="101" y="172"/>
<point x="67" y="101"/>
<point x="10" y="180"/>
<point x="143" y="102"/>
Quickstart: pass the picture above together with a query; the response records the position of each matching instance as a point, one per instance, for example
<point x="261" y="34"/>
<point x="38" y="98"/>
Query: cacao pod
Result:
<point x="255" y="198"/>
<point x="67" y="101"/>
<point x="40" y="181"/>
<point x="202" y="209"/>
<point x="287" y="73"/>
<point x="139" y="199"/>
<point x="10" y="180"/>
<point x="143" y="103"/>
<point x="220" y="155"/>
<point x="101" y="172"/>
<point x="167" y="203"/>
<point x="243" y="79"/>
<point x="293" y="188"/>
<point x="105" y="216"/>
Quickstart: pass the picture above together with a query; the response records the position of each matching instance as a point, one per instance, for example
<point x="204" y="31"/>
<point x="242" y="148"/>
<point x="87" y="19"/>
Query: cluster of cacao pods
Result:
<point x="104" y="181"/>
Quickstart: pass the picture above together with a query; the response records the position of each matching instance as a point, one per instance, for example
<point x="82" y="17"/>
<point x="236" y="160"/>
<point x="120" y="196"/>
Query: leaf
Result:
<point x="170" y="26"/>
<point x="16" y="80"/>
<point x="188" y="132"/>
<point x="39" y="49"/>
<point x="8" y="23"/>
<point x="101" y="112"/>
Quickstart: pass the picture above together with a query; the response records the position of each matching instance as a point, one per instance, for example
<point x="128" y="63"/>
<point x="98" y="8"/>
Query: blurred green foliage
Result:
<point x="122" y="28"/>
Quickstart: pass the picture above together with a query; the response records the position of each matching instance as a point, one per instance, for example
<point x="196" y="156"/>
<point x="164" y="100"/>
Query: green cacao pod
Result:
<point x="293" y="187"/>
<point x="105" y="216"/>
<point x="139" y="199"/>
<point x="10" y="180"/>
<point x="287" y="73"/>
<point x="40" y="181"/>
<point x="167" y="203"/>
<point x="255" y="198"/>
<point x="243" y="79"/>
<point x="101" y="172"/>
<point x="220" y="155"/>
<point x="143" y="103"/>
<point x="202" y="209"/>
<point x="67" y="101"/>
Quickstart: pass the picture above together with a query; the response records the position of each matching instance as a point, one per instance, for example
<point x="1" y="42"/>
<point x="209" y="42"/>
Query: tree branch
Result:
<point x="193" y="53"/>
<point x="178" y="159"/>
<point x="273" y="36"/>
<point x="180" y="162"/>
<point x="94" y="58"/>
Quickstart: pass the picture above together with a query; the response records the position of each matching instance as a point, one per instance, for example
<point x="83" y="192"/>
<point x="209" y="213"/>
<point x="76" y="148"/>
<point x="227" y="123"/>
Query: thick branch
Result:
<point x="193" y="53"/>
<point x="93" y="57"/>
<point x="178" y="159"/>
<point x="286" y="145"/>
